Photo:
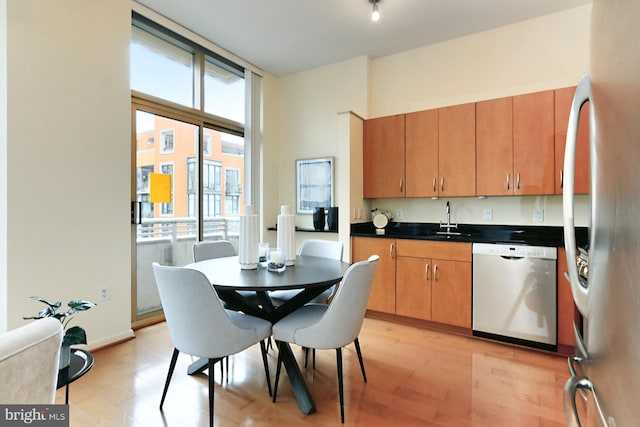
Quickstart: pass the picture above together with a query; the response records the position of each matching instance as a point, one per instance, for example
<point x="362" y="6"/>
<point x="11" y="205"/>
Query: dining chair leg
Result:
<point x="306" y="357"/>
<point x="357" y="343"/>
<point x="263" y="350"/>
<point x="172" y="366"/>
<point x="211" y="390"/>
<point x="340" y="388"/>
<point x="278" y="366"/>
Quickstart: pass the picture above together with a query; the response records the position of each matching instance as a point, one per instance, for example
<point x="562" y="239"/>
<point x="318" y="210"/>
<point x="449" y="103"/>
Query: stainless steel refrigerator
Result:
<point x="606" y="369"/>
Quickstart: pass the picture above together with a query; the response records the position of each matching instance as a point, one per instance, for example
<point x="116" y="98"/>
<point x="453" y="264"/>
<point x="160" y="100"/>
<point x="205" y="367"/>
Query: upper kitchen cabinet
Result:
<point x="494" y="147"/>
<point x="383" y="157"/>
<point x="457" y="150"/>
<point x="421" y="148"/>
<point x="563" y="100"/>
<point x="533" y="142"/>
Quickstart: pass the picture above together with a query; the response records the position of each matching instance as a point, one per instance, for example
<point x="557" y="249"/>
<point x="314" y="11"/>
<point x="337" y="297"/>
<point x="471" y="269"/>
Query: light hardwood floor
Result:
<point x="416" y="377"/>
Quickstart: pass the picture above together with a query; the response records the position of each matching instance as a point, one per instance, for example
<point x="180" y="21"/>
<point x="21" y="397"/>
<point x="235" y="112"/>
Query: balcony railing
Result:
<point x="169" y="242"/>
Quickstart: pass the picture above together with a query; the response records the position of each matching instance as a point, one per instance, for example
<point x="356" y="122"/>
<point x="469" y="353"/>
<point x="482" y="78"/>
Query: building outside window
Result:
<point x="166" y="141"/>
<point x="167" y="169"/>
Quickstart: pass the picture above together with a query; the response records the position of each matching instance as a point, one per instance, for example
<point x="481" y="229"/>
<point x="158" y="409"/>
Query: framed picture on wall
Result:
<point x="314" y="183"/>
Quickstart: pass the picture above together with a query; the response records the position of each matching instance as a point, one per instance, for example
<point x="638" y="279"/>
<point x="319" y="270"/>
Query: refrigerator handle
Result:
<point x="569" y="401"/>
<point x="582" y="95"/>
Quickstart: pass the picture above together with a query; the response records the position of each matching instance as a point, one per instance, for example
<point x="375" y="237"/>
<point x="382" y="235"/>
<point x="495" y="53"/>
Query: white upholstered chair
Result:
<point x="200" y="326"/>
<point x="333" y="326"/>
<point x="332" y="249"/>
<point x="212" y="249"/>
<point x="29" y="357"/>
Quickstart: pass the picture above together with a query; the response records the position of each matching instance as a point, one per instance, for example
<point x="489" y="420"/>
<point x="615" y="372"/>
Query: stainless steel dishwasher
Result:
<point x="514" y="294"/>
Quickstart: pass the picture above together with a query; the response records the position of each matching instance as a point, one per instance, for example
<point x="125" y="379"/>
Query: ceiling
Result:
<point x="284" y="37"/>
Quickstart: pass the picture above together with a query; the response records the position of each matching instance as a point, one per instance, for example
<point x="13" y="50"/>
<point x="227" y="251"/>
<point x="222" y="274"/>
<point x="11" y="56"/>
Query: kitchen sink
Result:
<point x="442" y="235"/>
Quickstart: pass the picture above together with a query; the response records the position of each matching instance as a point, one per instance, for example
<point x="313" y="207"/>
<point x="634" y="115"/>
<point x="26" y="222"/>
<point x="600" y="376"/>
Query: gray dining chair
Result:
<point x="200" y="326"/>
<point x="332" y="249"/>
<point x="332" y="326"/>
<point x="212" y="249"/>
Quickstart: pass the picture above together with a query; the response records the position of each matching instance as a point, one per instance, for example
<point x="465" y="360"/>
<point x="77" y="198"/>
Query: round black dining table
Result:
<point x="311" y="275"/>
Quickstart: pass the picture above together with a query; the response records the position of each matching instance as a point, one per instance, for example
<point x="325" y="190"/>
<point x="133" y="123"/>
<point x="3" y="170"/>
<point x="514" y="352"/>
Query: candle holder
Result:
<point x="263" y="251"/>
<point x="276" y="260"/>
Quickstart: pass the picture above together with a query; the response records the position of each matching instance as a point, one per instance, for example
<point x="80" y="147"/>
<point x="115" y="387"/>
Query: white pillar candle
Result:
<point x="277" y="257"/>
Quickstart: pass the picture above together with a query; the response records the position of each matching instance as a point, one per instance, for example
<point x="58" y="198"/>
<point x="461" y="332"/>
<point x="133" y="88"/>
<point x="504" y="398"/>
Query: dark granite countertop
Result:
<point x="524" y="235"/>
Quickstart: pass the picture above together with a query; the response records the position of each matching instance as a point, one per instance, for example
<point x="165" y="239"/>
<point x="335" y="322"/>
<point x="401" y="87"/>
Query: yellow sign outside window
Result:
<point x="159" y="188"/>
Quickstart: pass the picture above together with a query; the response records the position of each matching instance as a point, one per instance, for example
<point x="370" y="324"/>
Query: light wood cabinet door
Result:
<point x="383" y="294"/>
<point x="413" y="287"/>
<point x="451" y="293"/>
<point x="494" y="147"/>
<point x="566" y="307"/>
<point x="563" y="99"/>
<point x="383" y="157"/>
<point x="457" y="150"/>
<point x="421" y="153"/>
<point x="533" y="143"/>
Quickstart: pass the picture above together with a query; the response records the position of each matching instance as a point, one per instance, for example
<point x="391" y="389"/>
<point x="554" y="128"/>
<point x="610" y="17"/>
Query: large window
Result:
<point x="189" y="115"/>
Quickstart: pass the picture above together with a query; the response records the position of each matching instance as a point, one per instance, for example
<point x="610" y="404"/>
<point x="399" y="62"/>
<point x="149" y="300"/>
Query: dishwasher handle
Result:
<point x="512" y="258"/>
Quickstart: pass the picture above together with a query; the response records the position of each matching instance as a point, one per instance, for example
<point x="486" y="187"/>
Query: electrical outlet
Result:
<point x="400" y="214"/>
<point x="104" y="293"/>
<point x="538" y="215"/>
<point x="487" y="214"/>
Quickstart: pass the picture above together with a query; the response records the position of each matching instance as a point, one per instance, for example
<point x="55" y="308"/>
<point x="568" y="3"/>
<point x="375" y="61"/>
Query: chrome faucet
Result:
<point x="448" y="225"/>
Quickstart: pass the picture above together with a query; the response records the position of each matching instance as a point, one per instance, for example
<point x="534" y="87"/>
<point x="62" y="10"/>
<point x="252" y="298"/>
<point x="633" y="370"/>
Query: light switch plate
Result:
<point x="400" y="214"/>
<point x="487" y="214"/>
<point x="538" y="215"/>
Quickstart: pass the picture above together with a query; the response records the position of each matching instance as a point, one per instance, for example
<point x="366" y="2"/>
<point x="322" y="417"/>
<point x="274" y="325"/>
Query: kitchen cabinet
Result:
<point x="413" y="287"/>
<point x="383" y="157"/>
<point x="567" y="312"/>
<point x="433" y="281"/>
<point x="563" y="100"/>
<point x="383" y="293"/>
<point x="534" y="144"/>
<point x="494" y="147"/>
<point x="457" y="150"/>
<point x="421" y="153"/>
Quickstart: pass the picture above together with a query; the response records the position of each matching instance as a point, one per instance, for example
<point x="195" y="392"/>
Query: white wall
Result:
<point x="3" y="165"/>
<point x="544" y="53"/>
<point x="308" y="126"/>
<point x="69" y="160"/>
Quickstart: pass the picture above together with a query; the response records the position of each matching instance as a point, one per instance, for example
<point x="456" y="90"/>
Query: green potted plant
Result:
<point x="73" y="335"/>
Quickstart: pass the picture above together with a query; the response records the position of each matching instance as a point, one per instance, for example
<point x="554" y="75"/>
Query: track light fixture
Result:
<point x="375" y="13"/>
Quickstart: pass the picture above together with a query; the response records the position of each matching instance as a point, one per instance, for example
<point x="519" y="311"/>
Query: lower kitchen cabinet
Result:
<point x="383" y="294"/>
<point x="567" y="311"/>
<point x="420" y="279"/>
<point x="451" y="293"/>
<point x="440" y="269"/>
<point x="413" y="287"/>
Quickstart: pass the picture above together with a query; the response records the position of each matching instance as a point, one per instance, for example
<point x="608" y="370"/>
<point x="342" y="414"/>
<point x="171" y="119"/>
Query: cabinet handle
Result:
<point x="401" y="182"/>
<point x="391" y="251"/>
<point x="518" y="180"/>
<point x="561" y="179"/>
<point x="442" y="183"/>
<point x="435" y="272"/>
<point x="426" y="272"/>
<point x="434" y="184"/>
<point x="508" y="182"/>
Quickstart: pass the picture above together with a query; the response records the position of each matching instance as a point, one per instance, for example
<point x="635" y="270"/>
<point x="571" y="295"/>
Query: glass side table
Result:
<point x="81" y="362"/>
